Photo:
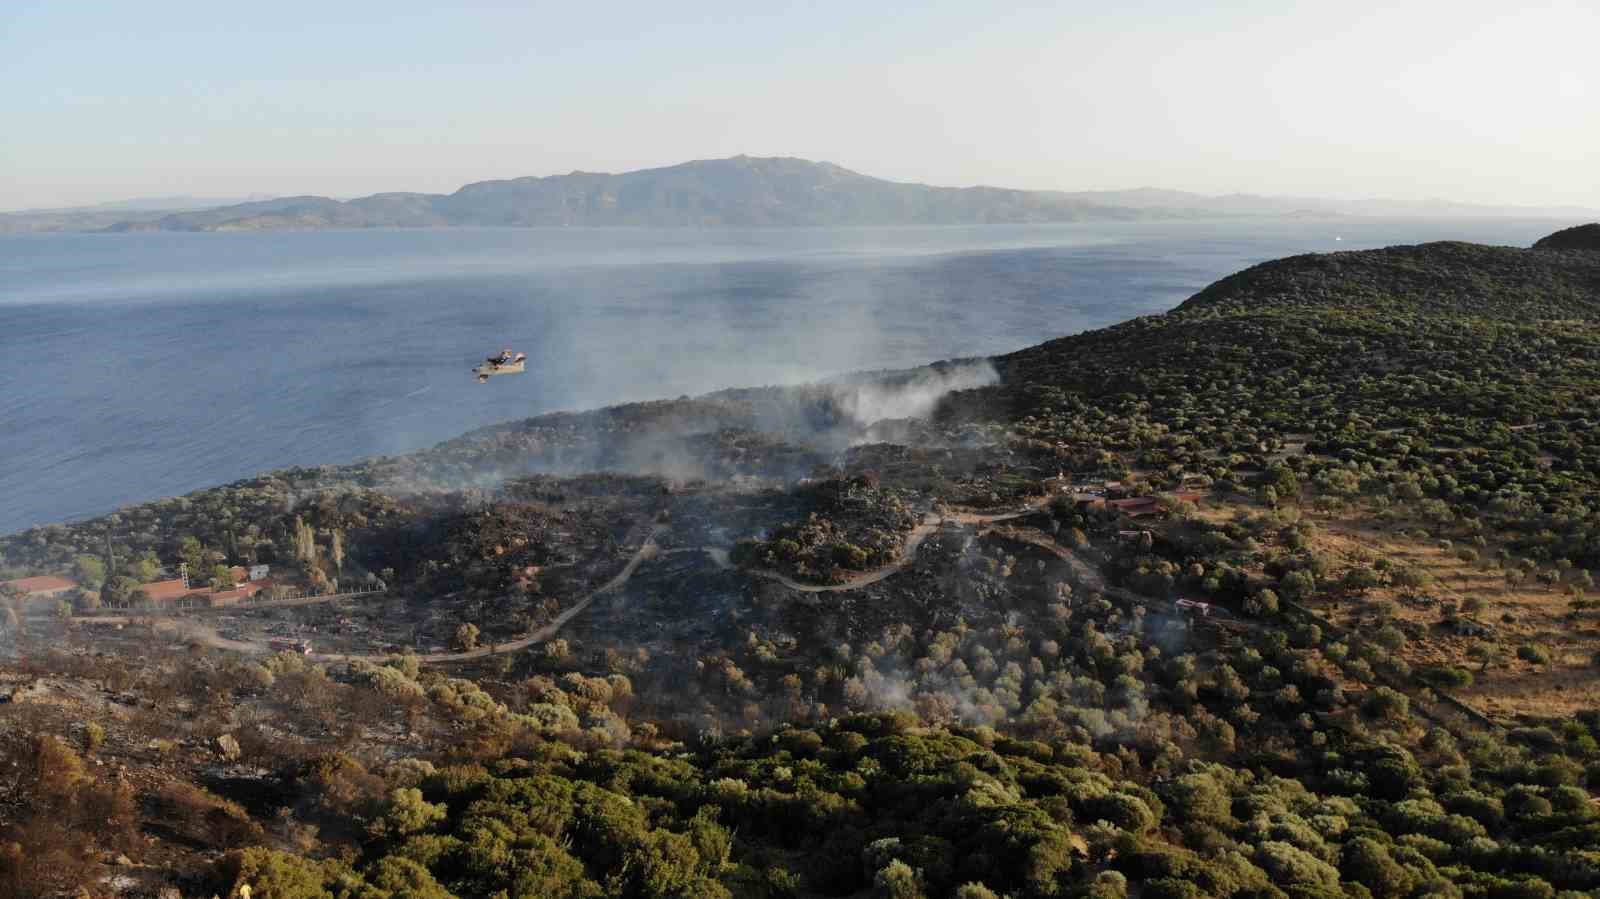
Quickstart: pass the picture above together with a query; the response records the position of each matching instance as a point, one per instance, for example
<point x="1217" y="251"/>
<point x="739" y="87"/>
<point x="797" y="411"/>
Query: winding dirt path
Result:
<point x="719" y="554"/>
<point x="208" y="635"/>
<point x="931" y="522"/>
<point x="647" y="550"/>
<point x="1084" y="572"/>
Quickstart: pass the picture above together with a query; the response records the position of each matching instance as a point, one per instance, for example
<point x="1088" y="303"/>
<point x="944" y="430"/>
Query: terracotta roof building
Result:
<point x="170" y="591"/>
<point x="42" y="587"/>
<point x="166" y="591"/>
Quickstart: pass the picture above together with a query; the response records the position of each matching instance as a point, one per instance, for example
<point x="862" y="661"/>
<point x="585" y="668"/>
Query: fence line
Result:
<point x="261" y="597"/>
<point x="259" y="600"/>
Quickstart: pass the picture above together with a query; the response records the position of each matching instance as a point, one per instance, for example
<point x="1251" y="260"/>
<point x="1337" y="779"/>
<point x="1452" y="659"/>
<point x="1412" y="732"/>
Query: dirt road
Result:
<point x="208" y="635"/>
<point x="1085" y="573"/>
<point x="931" y="522"/>
<point x="648" y="549"/>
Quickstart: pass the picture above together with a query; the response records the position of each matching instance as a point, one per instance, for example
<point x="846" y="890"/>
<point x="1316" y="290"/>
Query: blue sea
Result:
<point x="137" y="366"/>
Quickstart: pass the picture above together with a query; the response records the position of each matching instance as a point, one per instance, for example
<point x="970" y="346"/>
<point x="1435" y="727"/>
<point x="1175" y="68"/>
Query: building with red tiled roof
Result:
<point x="1136" y="506"/>
<point x="166" y="592"/>
<point x="42" y="587"/>
<point x="162" y="592"/>
<point x="1133" y="507"/>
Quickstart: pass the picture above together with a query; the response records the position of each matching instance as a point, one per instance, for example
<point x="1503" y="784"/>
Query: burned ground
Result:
<point x="1352" y="658"/>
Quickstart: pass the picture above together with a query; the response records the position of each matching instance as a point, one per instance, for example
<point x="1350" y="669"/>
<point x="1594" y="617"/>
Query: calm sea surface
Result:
<point x="136" y="366"/>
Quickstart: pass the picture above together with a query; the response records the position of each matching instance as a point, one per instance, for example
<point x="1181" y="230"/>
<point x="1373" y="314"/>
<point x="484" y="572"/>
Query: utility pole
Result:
<point x="111" y="556"/>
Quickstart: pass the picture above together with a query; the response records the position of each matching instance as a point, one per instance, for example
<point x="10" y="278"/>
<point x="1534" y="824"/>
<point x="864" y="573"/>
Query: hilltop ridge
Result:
<point x="1445" y="276"/>
<point x="740" y="191"/>
<point x="1317" y="335"/>
<point x="1578" y="237"/>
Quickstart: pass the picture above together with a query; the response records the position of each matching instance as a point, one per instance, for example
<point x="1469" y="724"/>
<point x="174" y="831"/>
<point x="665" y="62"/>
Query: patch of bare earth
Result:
<point x="1513" y="615"/>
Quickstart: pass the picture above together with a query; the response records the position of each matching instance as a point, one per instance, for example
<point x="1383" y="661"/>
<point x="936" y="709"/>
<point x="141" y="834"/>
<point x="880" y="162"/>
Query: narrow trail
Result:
<point x="1092" y="579"/>
<point x="1084" y="572"/>
<point x="648" y="549"/>
<point x="719" y="555"/>
<point x="931" y="522"/>
<point x="209" y="636"/>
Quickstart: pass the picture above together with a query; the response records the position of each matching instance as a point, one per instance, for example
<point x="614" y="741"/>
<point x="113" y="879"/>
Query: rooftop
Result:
<point x="44" y="584"/>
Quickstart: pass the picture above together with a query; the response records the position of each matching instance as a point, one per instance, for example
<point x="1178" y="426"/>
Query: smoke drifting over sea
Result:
<point x="777" y="433"/>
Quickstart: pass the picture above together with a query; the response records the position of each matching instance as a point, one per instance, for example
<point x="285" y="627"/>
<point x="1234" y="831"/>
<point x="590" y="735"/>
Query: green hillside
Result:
<point x="1578" y="237"/>
<point x="751" y="645"/>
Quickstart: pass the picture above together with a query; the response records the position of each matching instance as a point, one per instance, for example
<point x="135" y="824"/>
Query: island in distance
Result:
<point x="742" y="191"/>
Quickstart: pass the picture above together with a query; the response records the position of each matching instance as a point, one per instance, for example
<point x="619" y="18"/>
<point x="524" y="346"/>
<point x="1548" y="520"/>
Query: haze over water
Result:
<point x="146" y="365"/>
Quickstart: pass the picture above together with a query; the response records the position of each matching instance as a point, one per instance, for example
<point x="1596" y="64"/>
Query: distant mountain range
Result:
<point x="163" y="204"/>
<point x="100" y="216"/>
<point x="1147" y="198"/>
<point x="742" y="191"/>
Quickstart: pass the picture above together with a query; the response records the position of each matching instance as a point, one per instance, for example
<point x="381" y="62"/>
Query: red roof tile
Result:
<point x="166" y="591"/>
<point x="45" y="584"/>
<point x="1134" y="504"/>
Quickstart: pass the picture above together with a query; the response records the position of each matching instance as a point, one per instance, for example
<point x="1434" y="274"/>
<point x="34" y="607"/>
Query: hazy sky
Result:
<point x="1471" y="100"/>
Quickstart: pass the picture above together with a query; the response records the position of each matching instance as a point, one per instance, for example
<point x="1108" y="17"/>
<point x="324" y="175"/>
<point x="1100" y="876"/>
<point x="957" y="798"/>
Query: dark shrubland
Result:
<point x="1024" y="709"/>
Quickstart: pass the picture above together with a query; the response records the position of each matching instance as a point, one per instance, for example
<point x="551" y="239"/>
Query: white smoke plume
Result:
<point x="915" y="396"/>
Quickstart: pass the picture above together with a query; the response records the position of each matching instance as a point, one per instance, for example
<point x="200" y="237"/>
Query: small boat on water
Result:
<point x="507" y="363"/>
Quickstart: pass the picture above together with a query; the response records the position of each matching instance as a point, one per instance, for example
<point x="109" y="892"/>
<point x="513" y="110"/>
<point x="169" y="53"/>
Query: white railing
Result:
<point x="264" y="596"/>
